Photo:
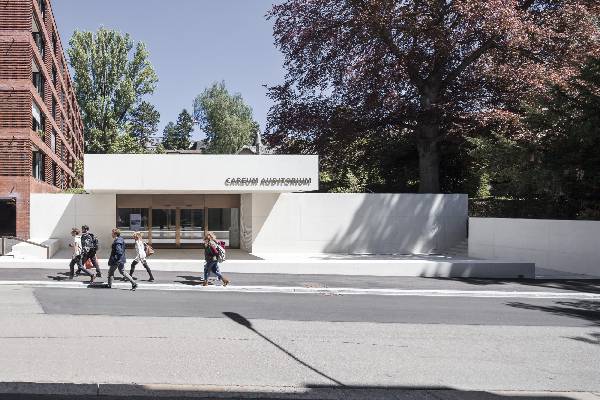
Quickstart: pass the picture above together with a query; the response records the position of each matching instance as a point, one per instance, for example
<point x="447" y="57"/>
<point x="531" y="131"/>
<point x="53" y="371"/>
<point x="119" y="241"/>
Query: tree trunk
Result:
<point x="429" y="161"/>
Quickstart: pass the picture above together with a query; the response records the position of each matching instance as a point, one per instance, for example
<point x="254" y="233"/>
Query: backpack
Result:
<point x="220" y="246"/>
<point x="87" y="242"/>
<point x="95" y="242"/>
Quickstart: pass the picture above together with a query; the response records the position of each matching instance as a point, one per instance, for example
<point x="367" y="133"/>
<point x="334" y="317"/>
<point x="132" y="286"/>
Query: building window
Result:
<point x="54" y="75"/>
<point x="225" y="224"/>
<point x="53" y="108"/>
<point x="37" y="79"/>
<point x="37" y="167"/>
<point x="38" y="120"/>
<point x="37" y="37"/>
<point x="42" y="7"/>
<point x="54" y="42"/>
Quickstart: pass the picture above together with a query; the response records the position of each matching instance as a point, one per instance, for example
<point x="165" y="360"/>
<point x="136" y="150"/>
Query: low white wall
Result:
<point x="53" y="215"/>
<point x="356" y="222"/>
<point x="568" y="246"/>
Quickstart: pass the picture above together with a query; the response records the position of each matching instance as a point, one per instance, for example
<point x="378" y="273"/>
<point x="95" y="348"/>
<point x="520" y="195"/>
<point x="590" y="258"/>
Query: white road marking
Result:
<point x="323" y="291"/>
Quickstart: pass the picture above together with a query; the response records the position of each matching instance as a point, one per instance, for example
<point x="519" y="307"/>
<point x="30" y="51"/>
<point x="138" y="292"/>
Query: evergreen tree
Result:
<point x="177" y="136"/>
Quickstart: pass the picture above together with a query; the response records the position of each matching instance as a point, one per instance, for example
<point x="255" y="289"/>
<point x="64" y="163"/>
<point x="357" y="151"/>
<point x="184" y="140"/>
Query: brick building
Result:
<point x="41" y="131"/>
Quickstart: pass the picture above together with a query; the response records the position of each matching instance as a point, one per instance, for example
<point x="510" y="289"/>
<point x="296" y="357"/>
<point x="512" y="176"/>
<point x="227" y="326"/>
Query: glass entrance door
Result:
<point x="191" y="225"/>
<point x="164" y="227"/>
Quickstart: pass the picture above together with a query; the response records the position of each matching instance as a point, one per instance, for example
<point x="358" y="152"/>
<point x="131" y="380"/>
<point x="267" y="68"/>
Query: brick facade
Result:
<point x="34" y="74"/>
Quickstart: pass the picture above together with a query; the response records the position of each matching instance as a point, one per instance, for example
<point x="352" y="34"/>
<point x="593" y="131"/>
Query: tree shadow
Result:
<point x="575" y="285"/>
<point x="402" y="223"/>
<point x="588" y="310"/>
<point x="594" y="338"/>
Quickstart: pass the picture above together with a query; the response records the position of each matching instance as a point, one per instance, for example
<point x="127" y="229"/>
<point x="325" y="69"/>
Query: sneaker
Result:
<point x="225" y="281"/>
<point x="151" y="280"/>
<point x="92" y="279"/>
<point x="71" y="276"/>
<point x="135" y="285"/>
<point x="98" y="275"/>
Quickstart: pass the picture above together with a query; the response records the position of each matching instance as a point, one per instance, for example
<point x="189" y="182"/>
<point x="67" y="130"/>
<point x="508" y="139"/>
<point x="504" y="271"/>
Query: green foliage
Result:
<point x="225" y="118"/>
<point x="78" y="170"/>
<point x="76" y="190"/>
<point x="177" y="136"/>
<point x="125" y="143"/>
<point x="160" y="149"/>
<point x="110" y="79"/>
<point x="143" y="123"/>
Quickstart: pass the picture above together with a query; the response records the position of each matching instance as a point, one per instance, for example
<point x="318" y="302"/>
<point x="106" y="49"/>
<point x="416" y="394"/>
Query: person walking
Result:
<point x="140" y="249"/>
<point x="117" y="259"/>
<point x="76" y="258"/>
<point x="211" y="256"/>
<point x="89" y="244"/>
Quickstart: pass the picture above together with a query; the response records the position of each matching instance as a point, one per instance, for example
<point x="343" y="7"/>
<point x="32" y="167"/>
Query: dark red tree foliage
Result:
<point x="424" y="68"/>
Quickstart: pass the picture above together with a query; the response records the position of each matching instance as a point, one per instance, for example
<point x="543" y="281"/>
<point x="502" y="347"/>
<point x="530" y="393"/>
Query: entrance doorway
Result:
<point x="179" y="221"/>
<point x="8" y="217"/>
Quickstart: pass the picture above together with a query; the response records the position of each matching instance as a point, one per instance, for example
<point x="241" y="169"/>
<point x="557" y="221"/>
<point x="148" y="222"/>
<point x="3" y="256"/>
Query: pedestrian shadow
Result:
<point x="58" y="278"/>
<point x="191" y="280"/>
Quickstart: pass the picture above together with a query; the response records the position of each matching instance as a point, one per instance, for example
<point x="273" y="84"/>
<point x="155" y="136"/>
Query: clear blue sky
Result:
<point x="192" y="43"/>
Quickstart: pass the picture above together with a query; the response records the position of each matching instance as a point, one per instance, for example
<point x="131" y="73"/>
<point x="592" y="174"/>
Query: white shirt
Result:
<point x="139" y="249"/>
<point x="76" y="245"/>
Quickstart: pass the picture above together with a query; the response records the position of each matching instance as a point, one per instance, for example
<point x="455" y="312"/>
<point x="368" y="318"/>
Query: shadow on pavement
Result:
<point x="577" y="285"/>
<point x="190" y="280"/>
<point x="41" y="391"/>
<point x="583" y="309"/>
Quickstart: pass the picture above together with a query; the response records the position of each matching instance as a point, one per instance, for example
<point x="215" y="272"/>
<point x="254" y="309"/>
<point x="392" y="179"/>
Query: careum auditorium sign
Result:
<point x="238" y="182"/>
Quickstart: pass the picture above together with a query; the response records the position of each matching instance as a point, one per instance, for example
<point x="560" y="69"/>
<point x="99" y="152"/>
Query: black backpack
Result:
<point x="95" y="242"/>
<point x="89" y="242"/>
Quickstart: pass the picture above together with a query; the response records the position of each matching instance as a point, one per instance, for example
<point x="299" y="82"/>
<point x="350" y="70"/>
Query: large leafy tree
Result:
<point x="421" y="71"/>
<point x="111" y="76"/>
<point x="143" y="123"/>
<point x="225" y="118"/>
<point x="177" y="136"/>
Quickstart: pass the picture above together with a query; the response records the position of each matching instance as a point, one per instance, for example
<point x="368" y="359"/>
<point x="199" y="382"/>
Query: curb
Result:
<point x="271" y="392"/>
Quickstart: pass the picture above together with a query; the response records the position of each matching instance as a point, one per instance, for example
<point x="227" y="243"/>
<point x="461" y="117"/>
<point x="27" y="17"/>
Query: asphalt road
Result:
<point x="326" y="308"/>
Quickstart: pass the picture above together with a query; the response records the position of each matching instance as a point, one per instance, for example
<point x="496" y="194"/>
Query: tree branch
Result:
<point x="468" y="61"/>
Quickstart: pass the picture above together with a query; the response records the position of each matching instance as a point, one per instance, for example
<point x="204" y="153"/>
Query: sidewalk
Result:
<point x="398" y="265"/>
<point x="333" y="284"/>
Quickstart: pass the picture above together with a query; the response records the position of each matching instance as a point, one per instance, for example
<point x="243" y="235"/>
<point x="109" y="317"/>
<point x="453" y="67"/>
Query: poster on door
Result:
<point x="135" y="222"/>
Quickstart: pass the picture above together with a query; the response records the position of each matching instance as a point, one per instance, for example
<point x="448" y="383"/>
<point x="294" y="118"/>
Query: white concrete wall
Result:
<point x="53" y="216"/>
<point x="196" y="173"/>
<point x="357" y="222"/>
<point x="568" y="246"/>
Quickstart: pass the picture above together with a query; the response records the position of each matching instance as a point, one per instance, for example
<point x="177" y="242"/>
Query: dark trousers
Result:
<point x="121" y="268"/>
<point x="145" y="264"/>
<point x="77" y="260"/>
<point x="91" y="256"/>
<point x="212" y="266"/>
